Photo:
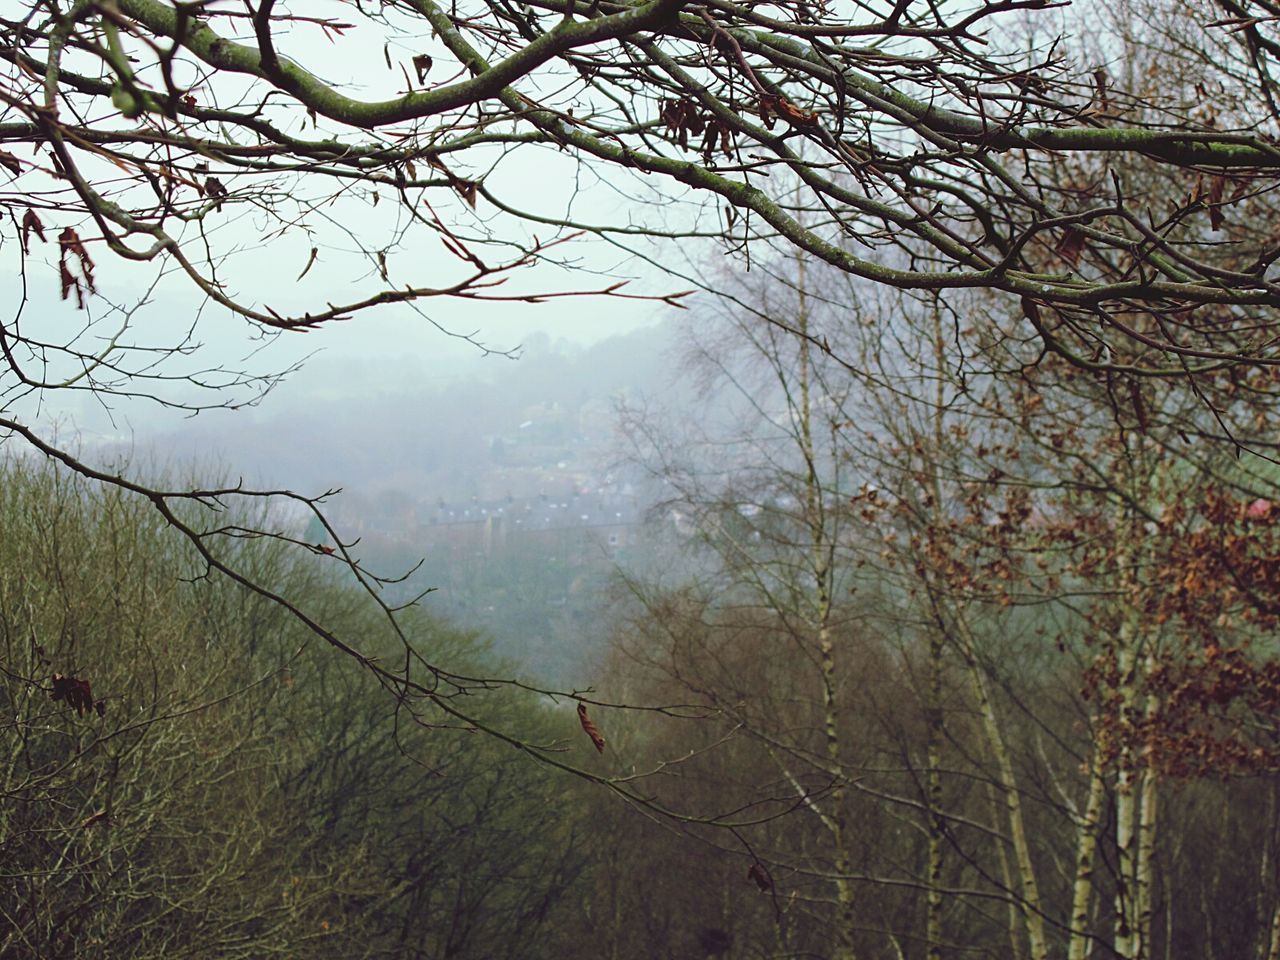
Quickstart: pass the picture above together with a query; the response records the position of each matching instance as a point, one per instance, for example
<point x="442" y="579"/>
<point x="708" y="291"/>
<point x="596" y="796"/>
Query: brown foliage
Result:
<point x="76" y="693"/>
<point x="592" y="730"/>
<point x="760" y="876"/>
<point x="71" y="246"/>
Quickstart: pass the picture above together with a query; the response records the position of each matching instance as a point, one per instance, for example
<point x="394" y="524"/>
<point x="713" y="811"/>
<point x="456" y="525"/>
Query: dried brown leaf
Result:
<point x="70" y="245"/>
<point x="1139" y="407"/>
<point x="757" y="873"/>
<point x="591" y="729"/>
<point x="31" y="224"/>
<point x="75" y="692"/>
<point x="1101" y="100"/>
<point x="794" y="115"/>
<point x="768" y="111"/>
<point x="215" y="190"/>
<point x="1217" y="187"/>
<point x="1070" y="245"/>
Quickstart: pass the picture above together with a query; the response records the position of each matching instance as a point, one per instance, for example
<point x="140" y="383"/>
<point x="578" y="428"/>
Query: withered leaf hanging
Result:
<point x="757" y="873"/>
<point x="77" y="693"/>
<point x="592" y="730"/>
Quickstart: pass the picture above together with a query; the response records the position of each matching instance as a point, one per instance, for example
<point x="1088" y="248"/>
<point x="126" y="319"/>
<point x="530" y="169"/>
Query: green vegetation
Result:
<point x="215" y="785"/>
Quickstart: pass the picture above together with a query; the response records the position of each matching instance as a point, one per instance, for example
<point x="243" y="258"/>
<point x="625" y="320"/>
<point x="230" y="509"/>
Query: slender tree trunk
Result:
<point x="842" y="865"/>
<point x="933" y="777"/>
<point x="1127" y="799"/>
<point x="822" y="558"/>
<point x="1136" y="785"/>
<point x="1078" y="947"/>
<point x="933" y="787"/>
<point x="1016" y="928"/>
<point x="1269" y="919"/>
<point x="1273" y="948"/>
<point x="1144" y="868"/>
<point x="1030" y="904"/>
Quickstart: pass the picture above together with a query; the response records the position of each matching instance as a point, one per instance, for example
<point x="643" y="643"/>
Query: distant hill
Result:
<point x="499" y="479"/>
<point x="448" y="438"/>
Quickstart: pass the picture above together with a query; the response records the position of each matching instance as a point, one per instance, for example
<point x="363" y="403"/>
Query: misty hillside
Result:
<point x="500" y="480"/>
<point x="343" y="424"/>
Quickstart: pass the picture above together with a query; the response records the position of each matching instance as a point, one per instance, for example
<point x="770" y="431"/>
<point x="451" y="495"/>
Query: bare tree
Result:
<point x="926" y="137"/>
<point x="926" y="147"/>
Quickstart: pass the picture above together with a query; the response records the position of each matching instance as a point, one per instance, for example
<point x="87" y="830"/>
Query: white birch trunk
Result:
<point x="1030" y="903"/>
<point x="1136" y="783"/>
<point x="1127" y="804"/>
<point x="821" y="557"/>
<point x="1080" y="942"/>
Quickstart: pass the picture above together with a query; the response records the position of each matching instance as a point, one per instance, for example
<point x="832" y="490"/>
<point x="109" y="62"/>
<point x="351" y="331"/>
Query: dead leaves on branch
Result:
<point x="773" y="105"/>
<point x="71" y="250"/>
<point x="468" y="190"/>
<point x="31" y="224"/>
<point x="1210" y="588"/>
<point x="10" y="162"/>
<point x="1213" y="714"/>
<point x="1212" y="194"/>
<point x="758" y="875"/>
<point x="1220" y="558"/>
<point x="76" y="693"/>
<point x="215" y="190"/>
<point x="591" y="729"/>
<point x="1101" y="98"/>
<point x="422" y="64"/>
<point x="1070" y="246"/>
<point x="1204" y="599"/>
<point x="75" y="266"/>
<point x="684" y="117"/>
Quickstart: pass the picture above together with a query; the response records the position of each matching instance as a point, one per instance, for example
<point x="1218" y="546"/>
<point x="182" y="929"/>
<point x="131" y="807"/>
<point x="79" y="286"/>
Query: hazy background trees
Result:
<point x="225" y="787"/>
<point x="1029" y="703"/>
<point x="891" y="629"/>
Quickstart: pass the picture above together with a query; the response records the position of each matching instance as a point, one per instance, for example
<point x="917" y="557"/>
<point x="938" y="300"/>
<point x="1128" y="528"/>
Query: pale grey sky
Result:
<point x="383" y="348"/>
